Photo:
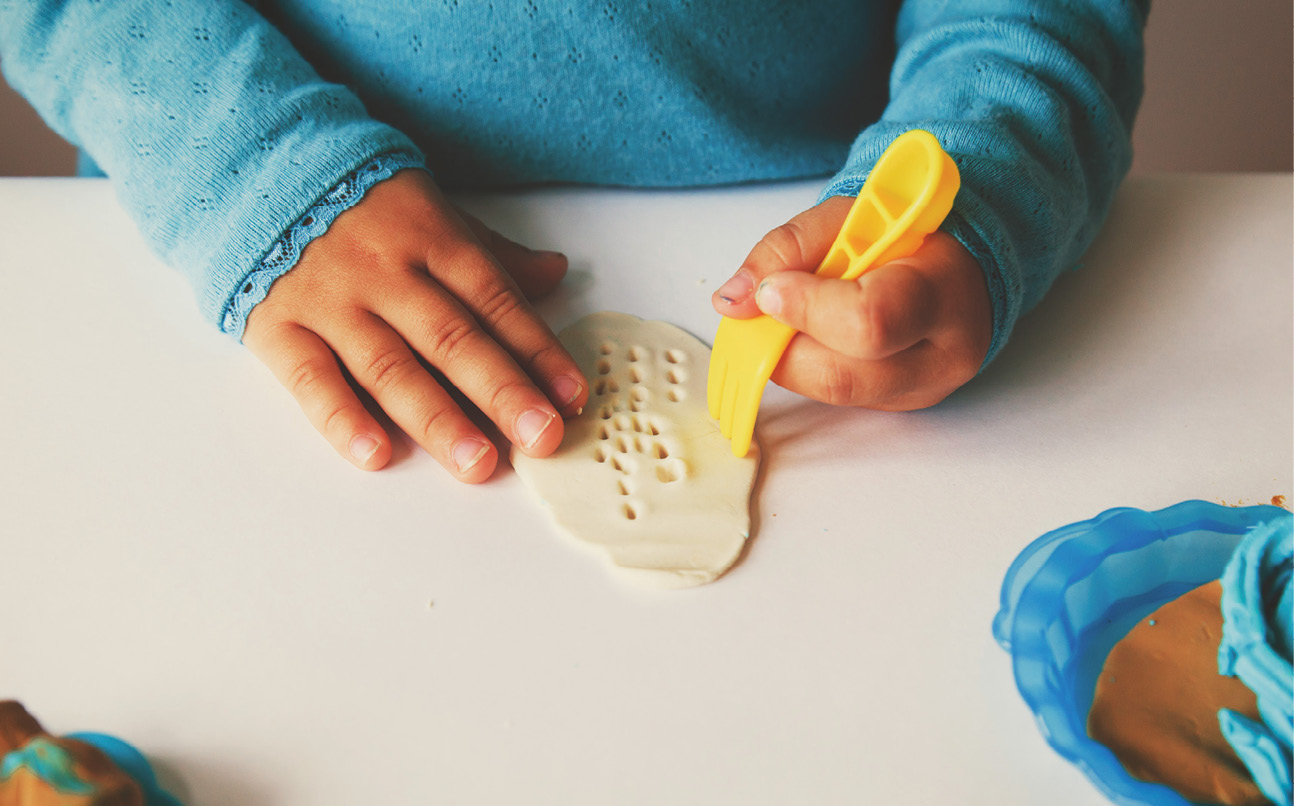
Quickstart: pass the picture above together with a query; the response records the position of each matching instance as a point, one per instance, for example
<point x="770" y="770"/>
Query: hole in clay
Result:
<point x="622" y="444"/>
<point x="630" y="512"/>
<point x="633" y="405"/>
<point x="635" y="375"/>
<point x="621" y="422"/>
<point x="675" y="376"/>
<point x="675" y="395"/>
<point x="603" y="367"/>
<point x="599" y="386"/>
<point x="601" y="453"/>
<point x="653" y="429"/>
<point x="639" y="393"/>
<point x="603" y="433"/>
<point x="675" y="356"/>
<point x="637" y="353"/>
<point x="638" y="445"/>
<point x="605" y="412"/>
<point x="669" y="471"/>
<point x="622" y="463"/>
<point x="607" y="348"/>
<point x="623" y="486"/>
<point x="659" y="449"/>
<point x="638" y="424"/>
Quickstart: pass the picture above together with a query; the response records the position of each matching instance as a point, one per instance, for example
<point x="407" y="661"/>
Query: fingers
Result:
<point x="439" y="328"/>
<point x="903" y="336"/>
<point x="896" y="383"/>
<point x="473" y="278"/>
<point x="304" y="364"/>
<point x="382" y="363"/>
<point x="536" y="272"/>
<point x="886" y="310"/>
<point x="798" y="245"/>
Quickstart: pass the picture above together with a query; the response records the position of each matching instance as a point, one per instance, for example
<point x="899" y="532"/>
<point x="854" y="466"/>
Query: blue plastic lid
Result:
<point x="1073" y="593"/>
<point x="132" y="762"/>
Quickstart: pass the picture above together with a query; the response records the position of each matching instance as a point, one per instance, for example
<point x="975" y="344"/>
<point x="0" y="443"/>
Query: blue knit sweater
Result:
<point x="234" y="133"/>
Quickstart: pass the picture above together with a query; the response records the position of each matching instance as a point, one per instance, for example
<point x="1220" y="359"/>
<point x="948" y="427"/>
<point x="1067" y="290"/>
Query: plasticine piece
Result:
<point x="37" y="769"/>
<point x="643" y="473"/>
<point x="1257" y="632"/>
<point x="1157" y="700"/>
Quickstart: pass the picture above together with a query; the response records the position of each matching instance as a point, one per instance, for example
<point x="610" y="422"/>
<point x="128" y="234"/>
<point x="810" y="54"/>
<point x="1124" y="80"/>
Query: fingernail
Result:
<point x="362" y="447"/>
<point x="532" y="425"/>
<point x="768" y="298"/>
<point x="547" y="253"/>
<point x="737" y="288"/>
<point x="467" y="452"/>
<point x="565" y="390"/>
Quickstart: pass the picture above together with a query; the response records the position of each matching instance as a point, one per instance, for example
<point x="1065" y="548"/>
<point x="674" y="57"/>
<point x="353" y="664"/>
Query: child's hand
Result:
<point x="903" y="336"/>
<point x="403" y="280"/>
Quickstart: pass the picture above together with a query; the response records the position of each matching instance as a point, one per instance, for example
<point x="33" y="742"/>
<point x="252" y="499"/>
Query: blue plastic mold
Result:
<point x="1073" y="593"/>
<point x="132" y="762"/>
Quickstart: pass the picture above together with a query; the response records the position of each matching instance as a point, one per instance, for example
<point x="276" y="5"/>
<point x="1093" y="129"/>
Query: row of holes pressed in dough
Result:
<point x="624" y="463"/>
<point x="623" y="444"/>
<point x="637" y="400"/>
<point x="601" y="385"/>
<point x="637" y="353"/>
<point x="603" y="366"/>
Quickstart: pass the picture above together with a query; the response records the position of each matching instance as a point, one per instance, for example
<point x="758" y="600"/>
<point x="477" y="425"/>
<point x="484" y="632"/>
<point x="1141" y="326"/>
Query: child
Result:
<point x="298" y="208"/>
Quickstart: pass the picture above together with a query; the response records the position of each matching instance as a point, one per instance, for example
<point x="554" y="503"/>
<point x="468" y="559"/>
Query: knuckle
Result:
<point x="498" y="304"/>
<point x="837" y="384"/>
<point x="873" y="327"/>
<point x="549" y="353"/>
<point x="386" y="367"/>
<point x="306" y="376"/>
<point x="337" y="420"/>
<point x="432" y="423"/>
<point x="500" y="392"/>
<point x="787" y="243"/>
<point x="448" y="337"/>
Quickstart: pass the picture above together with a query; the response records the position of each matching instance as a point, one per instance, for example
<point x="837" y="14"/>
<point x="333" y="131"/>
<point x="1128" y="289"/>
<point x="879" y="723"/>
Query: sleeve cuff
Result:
<point x="315" y="221"/>
<point x="972" y="223"/>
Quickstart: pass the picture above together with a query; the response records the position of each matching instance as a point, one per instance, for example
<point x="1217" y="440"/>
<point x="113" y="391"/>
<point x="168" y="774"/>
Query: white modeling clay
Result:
<point x="643" y="474"/>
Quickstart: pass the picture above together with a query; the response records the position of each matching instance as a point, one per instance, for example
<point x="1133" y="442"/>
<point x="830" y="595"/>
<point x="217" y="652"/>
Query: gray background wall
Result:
<point x="1219" y="84"/>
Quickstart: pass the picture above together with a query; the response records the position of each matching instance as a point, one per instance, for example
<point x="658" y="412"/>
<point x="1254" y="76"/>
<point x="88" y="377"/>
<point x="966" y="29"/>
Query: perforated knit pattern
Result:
<point x="221" y="127"/>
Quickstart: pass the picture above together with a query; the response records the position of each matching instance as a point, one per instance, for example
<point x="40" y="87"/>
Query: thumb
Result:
<point x="799" y="245"/>
<point x="536" y="272"/>
<point x="887" y="310"/>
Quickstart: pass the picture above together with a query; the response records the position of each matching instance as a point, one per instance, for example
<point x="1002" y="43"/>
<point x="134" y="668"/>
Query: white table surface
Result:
<point x="186" y="564"/>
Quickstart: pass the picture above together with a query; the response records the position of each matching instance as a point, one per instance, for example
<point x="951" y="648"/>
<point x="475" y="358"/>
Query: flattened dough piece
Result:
<point x="643" y="474"/>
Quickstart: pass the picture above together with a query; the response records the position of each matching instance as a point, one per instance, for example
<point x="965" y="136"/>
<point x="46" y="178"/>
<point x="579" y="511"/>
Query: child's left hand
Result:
<point x="903" y="336"/>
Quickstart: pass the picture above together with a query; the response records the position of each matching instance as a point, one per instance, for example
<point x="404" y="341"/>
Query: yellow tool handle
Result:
<point x="906" y="197"/>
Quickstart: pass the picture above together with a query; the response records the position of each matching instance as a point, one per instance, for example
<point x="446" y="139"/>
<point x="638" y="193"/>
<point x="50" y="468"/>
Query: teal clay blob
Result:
<point x="1257" y="600"/>
<point x="48" y="762"/>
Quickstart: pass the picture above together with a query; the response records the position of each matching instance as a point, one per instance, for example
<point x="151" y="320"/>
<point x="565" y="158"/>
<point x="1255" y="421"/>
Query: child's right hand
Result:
<point x="404" y="278"/>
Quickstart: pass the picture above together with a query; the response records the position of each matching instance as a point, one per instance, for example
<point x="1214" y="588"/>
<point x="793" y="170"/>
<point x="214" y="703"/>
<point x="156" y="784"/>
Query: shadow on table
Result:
<point x="1106" y="293"/>
<point x="1115" y="279"/>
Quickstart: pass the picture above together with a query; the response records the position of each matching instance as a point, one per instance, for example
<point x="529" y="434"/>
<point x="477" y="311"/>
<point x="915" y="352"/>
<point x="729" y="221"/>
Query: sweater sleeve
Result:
<point x="219" y="137"/>
<point x="1034" y="100"/>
